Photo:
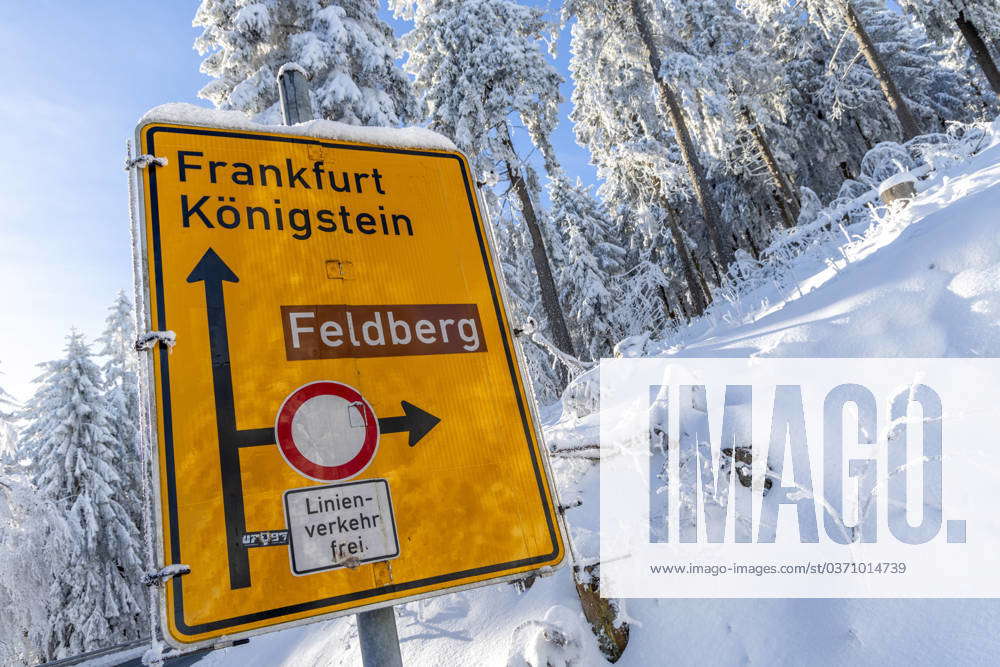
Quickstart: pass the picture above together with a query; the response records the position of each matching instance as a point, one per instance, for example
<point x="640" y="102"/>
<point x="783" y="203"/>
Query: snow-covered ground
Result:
<point x="922" y="281"/>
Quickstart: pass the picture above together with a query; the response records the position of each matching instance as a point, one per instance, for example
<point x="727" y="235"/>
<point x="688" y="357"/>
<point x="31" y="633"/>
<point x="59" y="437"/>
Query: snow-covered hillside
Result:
<point x="921" y="281"/>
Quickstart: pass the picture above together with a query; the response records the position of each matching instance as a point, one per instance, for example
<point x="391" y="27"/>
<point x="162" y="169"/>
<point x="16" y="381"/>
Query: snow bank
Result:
<point x="924" y="281"/>
<point x="407" y="137"/>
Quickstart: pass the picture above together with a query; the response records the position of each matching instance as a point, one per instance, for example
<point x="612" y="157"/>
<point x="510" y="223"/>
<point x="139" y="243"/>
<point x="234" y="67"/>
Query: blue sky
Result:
<point x="77" y="78"/>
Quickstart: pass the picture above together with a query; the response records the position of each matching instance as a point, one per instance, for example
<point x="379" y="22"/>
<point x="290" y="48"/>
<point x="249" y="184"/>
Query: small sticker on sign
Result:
<point x="340" y="525"/>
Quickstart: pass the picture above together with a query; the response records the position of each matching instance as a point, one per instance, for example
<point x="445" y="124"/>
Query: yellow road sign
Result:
<point x="343" y="422"/>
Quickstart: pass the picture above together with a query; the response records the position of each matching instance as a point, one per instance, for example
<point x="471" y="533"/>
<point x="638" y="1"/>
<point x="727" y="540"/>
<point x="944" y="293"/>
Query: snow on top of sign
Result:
<point x="407" y="137"/>
<point x="292" y="67"/>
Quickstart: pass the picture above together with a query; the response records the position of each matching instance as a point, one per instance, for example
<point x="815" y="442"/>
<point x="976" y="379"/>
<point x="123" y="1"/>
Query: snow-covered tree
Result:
<point x="632" y="144"/>
<point x="33" y="535"/>
<point x="121" y="393"/>
<point x="347" y="51"/>
<point x="8" y="435"/>
<point x="93" y="596"/>
<point x="977" y="21"/>
<point x="513" y="247"/>
<point x="933" y="92"/>
<point x="824" y="142"/>
<point x="585" y="271"/>
<point x="834" y="17"/>
<point x="731" y="84"/>
<point x="898" y="58"/>
<point x="478" y="69"/>
<point x="640" y="14"/>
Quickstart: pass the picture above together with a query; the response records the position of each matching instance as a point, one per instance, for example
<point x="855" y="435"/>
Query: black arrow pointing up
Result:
<point x="213" y="272"/>
<point x="418" y="422"/>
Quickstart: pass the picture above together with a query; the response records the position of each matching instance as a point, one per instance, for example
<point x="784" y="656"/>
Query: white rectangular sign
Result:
<point x="800" y="477"/>
<point x="340" y="525"/>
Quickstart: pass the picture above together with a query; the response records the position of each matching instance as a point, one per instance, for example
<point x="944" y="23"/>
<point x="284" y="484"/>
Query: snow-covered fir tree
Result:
<point x="121" y="393"/>
<point x="94" y="597"/>
<point x="936" y="94"/>
<point x="975" y="22"/>
<point x="616" y="117"/>
<point x="8" y="436"/>
<point x="825" y="141"/>
<point x="513" y="247"/>
<point x="34" y="534"/>
<point x="733" y="90"/>
<point x="586" y="269"/>
<point x="345" y="48"/>
<point x="478" y="69"/>
<point x="844" y="17"/>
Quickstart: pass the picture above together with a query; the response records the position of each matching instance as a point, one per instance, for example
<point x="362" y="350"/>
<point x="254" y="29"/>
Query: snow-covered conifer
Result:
<point x="33" y="535"/>
<point x="8" y="436"/>
<point x="585" y="272"/>
<point x="94" y="597"/>
<point x="631" y="143"/>
<point x="121" y="393"/>
<point x="477" y="67"/>
<point x="836" y="16"/>
<point x="977" y="21"/>
<point x="934" y="93"/>
<point x="347" y="51"/>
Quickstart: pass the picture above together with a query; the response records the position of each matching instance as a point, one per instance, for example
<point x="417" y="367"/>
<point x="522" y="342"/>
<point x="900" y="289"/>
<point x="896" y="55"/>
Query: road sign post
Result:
<point x="378" y="637"/>
<point x="376" y="629"/>
<point x="344" y="423"/>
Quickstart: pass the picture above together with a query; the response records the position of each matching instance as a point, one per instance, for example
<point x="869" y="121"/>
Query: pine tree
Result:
<point x="476" y="67"/>
<point x="94" y="599"/>
<point x="121" y="393"/>
<point x="33" y="534"/>
<point x="825" y="141"/>
<point x="710" y="211"/>
<point x="934" y="93"/>
<point x="8" y="436"/>
<point x="585" y="272"/>
<point x="632" y="143"/>
<point x="977" y="21"/>
<point x="833" y="17"/>
<point x="347" y="51"/>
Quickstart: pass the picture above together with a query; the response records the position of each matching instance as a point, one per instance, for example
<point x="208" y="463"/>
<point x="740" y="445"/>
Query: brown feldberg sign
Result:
<point x="341" y="331"/>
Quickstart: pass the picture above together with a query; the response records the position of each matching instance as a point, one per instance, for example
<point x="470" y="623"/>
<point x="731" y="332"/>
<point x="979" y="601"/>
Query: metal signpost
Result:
<point x="343" y="424"/>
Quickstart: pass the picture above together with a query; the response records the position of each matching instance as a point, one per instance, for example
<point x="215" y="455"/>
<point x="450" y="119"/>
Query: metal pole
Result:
<point x="379" y="641"/>
<point x="293" y="90"/>
<point x="376" y="628"/>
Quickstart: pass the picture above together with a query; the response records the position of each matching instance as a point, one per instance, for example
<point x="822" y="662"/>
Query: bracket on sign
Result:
<point x="151" y="338"/>
<point x="143" y="161"/>
<point x="161" y="577"/>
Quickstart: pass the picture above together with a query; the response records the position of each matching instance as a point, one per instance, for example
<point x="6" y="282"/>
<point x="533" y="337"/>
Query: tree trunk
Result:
<point x="754" y="250"/>
<point x="979" y="49"/>
<point x="787" y="200"/>
<point x="698" y="271"/>
<point x="907" y="121"/>
<point x="540" y="257"/>
<point x="668" y="308"/>
<point x="710" y="210"/>
<point x="697" y="300"/>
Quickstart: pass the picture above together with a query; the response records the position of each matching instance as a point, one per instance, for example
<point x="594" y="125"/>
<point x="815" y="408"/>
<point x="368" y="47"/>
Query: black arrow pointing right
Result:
<point x="418" y="422"/>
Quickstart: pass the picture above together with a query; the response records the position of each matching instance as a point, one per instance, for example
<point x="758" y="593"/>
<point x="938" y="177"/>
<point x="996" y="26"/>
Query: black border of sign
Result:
<point x="291" y="540"/>
<point x="168" y="449"/>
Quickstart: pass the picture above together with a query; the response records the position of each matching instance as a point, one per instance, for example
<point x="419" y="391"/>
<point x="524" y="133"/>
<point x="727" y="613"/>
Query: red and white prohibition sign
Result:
<point x="327" y="431"/>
